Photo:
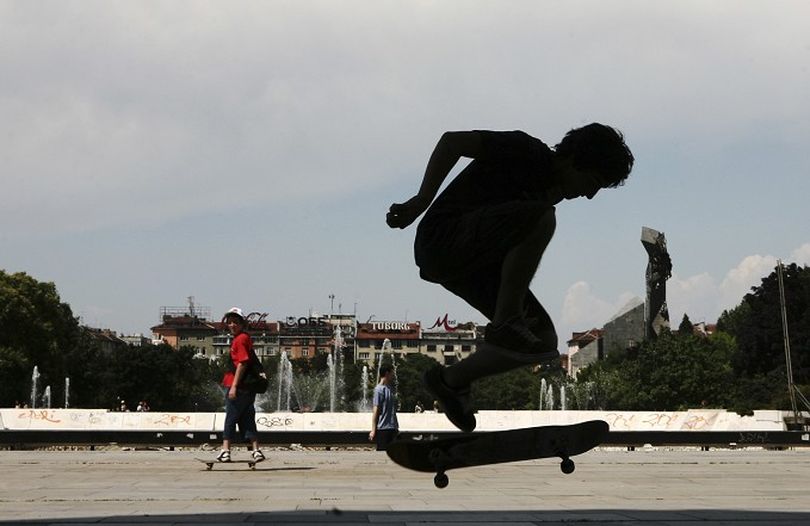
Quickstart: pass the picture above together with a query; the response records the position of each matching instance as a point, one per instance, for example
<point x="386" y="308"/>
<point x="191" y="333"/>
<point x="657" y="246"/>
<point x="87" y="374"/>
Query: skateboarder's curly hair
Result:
<point x="598" y="148"/>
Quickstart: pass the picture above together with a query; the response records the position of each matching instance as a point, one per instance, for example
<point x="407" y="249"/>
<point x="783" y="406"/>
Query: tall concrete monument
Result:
<point x="659" y="270"/>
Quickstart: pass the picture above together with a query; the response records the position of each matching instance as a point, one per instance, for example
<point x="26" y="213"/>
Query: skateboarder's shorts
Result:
<point x="464" y="254"/>
<point x="451" y="244"/>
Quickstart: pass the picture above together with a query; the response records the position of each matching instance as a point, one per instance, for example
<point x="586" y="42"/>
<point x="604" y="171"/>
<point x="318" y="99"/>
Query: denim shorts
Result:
<point x="240" y="412"/>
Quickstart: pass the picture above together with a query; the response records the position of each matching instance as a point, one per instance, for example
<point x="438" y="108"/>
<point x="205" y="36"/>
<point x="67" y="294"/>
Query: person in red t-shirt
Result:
<point x="239" y="403"/>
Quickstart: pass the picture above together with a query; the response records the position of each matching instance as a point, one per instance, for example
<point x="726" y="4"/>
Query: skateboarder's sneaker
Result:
<point x="224" y="456"/>
<point x="455" y="403"/>
<point x="514" y="339"/>
<point x="258" y="456"/>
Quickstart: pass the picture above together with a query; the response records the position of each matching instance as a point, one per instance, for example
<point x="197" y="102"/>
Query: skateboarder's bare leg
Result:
<point x="517" y="271"/>
<point x="487" y="362"/>
<point x="519" y="267"/>
<point x="479" y="364"/>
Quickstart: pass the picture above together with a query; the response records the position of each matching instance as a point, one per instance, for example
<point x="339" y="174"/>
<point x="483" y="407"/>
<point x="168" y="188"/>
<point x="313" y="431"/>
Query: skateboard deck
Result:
<point x="494" y="447"/>
<point x="209" y="464"/>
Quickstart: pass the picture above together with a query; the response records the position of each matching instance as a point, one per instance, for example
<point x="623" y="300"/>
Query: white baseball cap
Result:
<point x="234" y="310"/>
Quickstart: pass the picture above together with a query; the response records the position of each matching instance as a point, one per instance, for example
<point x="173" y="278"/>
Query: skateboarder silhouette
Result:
<point x="484" y="235"/>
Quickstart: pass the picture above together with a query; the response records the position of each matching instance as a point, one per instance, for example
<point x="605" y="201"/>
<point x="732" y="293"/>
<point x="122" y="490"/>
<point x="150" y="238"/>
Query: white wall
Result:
<point x="90" y="419"/>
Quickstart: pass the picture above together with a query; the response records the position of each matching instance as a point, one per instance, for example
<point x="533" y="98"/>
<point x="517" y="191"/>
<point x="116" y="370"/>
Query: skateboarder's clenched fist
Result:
<point x="400" y="215"/>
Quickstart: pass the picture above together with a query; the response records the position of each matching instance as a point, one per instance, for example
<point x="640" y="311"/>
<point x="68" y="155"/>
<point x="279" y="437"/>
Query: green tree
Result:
<point x="673" y="372"/>
<point x="517" y="389"/>
<point x="756" y="324"/>
<point x="14" y="366"/>
<point x="685" y="328"/>
<point x="170" y="380"/>
<point x="409" y="381"/>
<point x="88" y="369"/>
<point x="353" y="385"/>
<point x="36" y="328"/>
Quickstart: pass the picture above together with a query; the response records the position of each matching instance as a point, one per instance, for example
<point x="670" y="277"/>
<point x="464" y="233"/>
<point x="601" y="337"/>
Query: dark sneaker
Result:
<point x="258" y="456"/>
<point x="454" y="402"/>
<point x="224" y="456"/>
<point x="515" y="340"/>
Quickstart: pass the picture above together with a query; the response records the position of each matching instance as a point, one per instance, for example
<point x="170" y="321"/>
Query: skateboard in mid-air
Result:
<point x="493" y="447"/>
<point x="209" y="464"/>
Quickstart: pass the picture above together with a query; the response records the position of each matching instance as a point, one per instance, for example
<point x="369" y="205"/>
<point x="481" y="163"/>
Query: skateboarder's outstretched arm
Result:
<point x="451" y="147"/>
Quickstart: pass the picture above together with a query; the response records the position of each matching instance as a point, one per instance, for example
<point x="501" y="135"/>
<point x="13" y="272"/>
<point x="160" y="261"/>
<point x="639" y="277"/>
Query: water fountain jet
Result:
<point x="34" y="382"/>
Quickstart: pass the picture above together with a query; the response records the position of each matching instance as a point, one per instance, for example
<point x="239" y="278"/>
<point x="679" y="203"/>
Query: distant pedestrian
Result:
<point x="239" y="403"/>
<point x="384" y="424"/>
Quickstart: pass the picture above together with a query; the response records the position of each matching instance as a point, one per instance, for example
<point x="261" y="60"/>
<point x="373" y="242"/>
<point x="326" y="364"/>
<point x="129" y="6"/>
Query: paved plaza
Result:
<point x="610" y="486"/>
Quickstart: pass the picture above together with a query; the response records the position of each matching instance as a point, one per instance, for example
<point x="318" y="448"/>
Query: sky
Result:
<point x="245" y="153"/>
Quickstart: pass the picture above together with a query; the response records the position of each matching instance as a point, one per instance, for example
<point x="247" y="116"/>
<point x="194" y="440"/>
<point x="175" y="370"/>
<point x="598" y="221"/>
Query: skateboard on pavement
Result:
<point x="209" y="464"/>
<point x="493" y="447"/>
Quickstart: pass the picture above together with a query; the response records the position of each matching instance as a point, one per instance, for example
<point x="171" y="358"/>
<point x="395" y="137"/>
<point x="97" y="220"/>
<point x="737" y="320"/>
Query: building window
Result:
<point x="431" y="348"/>
<point x="363" y="355"/>
<point x="449" y="348"/>
<point x="466" y="348"/>
<point x="396" y="344"/>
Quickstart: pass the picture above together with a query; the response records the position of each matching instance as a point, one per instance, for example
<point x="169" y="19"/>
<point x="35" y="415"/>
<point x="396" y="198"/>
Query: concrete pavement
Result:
<point x="609" y="486"/>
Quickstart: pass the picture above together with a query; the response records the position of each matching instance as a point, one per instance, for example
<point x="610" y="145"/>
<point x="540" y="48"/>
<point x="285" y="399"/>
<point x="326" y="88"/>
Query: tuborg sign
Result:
<point x="382" y="326"/>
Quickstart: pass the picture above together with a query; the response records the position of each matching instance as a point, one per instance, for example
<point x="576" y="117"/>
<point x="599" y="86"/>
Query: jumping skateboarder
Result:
<point x="484" y="235"/>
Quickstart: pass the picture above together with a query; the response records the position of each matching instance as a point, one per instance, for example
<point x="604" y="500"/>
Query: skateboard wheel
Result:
<point x="252" y="465"/>
<point x="567" y="466"/>
<point x="209" y="467"/>
<point x="441" y="480"/>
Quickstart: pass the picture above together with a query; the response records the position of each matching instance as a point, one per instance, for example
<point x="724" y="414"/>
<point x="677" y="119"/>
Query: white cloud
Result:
<point x="700" y="296"/>
<point x="739" y="280"/>
<point x="703" y="299"/>
<point x="695" y="295"/>
<point x="800" y="256"/>
<point x="582" y="309"/>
